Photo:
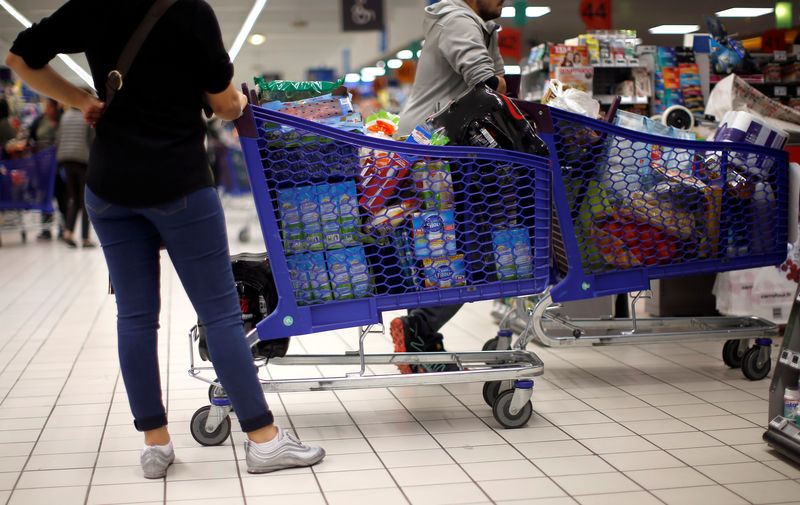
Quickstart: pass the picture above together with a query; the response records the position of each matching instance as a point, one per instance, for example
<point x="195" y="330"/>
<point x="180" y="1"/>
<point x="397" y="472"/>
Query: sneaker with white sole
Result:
<point x="155" y="459"/>
<point x="284" y="451"/>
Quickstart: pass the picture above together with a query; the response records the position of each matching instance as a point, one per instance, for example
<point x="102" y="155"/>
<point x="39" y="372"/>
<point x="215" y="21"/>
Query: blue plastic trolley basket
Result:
<point x="26" y="188"/>
<point x="355" y="226"/>
<point x="630" y="207"/>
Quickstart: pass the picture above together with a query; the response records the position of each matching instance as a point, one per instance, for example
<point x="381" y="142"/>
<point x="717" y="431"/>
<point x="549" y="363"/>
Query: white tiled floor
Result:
<point x="658" y="423"/>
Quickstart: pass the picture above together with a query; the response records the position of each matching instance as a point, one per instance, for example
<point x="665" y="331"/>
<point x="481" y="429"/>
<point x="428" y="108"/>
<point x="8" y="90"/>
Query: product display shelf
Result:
<point x="783" y="434"/>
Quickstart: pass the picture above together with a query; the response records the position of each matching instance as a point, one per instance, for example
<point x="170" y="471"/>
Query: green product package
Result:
<point x="289" y="91"/>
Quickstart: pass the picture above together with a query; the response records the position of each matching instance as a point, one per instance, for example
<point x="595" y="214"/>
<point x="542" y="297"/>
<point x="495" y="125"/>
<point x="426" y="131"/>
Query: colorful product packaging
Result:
<point x="310" y="216"/>
<point x="521" y="247"/>
<point x="445" y="272"/>
<point x="299" y="266"/>
<point x="289" y="210"/>
<point x="434" y="234"/>
<point x="321" y="290"/>
<point x="347" y="200"/>
<point x="503" y="255"/>
<point x="329" y="216"/>
<point x="349" y="273"/>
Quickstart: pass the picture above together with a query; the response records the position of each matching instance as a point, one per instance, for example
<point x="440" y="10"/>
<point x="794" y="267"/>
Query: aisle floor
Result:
<point x="658" y="423"/>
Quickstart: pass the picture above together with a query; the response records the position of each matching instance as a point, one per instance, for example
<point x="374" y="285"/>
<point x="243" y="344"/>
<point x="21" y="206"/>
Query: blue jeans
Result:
<point x="193" y="231"/>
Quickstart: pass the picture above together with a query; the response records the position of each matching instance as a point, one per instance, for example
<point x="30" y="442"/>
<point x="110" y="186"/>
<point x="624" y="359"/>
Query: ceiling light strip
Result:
<point x="79" y="71"/>
<point x="258" y="6"/>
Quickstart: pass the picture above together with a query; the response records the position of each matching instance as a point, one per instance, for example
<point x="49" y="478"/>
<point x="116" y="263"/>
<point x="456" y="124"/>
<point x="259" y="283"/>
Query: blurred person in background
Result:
<point x="73" y="142"/>
<point x="43" y="133"/>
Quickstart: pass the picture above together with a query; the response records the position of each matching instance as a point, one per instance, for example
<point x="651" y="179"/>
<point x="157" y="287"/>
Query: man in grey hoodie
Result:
<point x="460" y="52"/>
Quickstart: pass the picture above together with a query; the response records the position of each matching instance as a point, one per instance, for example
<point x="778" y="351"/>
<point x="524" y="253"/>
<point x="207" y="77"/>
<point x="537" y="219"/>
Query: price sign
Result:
<point x="780" y="91"/>
<point x="773" y="40"/>
<point x="596" y="14"/>
<point x="509" y="42"/>
<point x="779" y="56"/>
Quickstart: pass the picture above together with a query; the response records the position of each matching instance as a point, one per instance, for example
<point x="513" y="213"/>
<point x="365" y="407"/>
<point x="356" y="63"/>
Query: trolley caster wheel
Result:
<point x="244" y="235"/>
<point x="203" y="437"/>
<point x="491" y="345"/>
<point x="24" y="237"/>
<point x="501" y="411"/>
<point x="491" y="390"/>
<point x="756" y="362"/>
<point x="733" y="353"/>
<point x="577" y="333"/>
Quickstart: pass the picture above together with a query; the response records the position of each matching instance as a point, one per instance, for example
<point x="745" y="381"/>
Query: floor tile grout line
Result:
<point x="55" y="404"/>
<point x="68" y="286"/>
<point x="667" y="413"/>
<point x="102" y="437"/>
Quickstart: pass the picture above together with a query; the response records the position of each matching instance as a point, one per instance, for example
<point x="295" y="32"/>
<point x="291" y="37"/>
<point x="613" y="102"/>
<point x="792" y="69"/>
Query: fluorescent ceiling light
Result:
<point x="79" y="71"/>
<point x="395" y="63"/>
<point x="258" y="6"/>
<point x="373" y="71"/>
<point x="352" y="78"/>
<point x="257" y="39"/>
<point x="745" y="12"/>
<point x="531" y="12"/>
<point x="367" y="78"/>
<point x="673" y="29"/>
<point x="511" y="69"/>
<point x="405" y="54"/>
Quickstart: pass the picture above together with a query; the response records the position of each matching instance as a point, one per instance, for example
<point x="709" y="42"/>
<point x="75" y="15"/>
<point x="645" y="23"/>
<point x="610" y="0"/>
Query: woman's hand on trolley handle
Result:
<point x="228" y="104"/>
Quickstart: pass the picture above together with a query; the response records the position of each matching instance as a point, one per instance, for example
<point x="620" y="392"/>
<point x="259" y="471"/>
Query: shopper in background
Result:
<point x="148" y="180"/>
<point x="43" y="133"/>
<point x="7" y="131"/>
<point x="460" y="52"/>
<point x="73" y="141"/>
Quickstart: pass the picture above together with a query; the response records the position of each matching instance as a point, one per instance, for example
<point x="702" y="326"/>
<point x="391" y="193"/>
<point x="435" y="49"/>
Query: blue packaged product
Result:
<point x="327" y="200"/>
<point x="319" y="277"/>
<point x="503" y="255"/>
<point x="521" y="247"/>
<point x="347" y="200"/>
<point x="338" y="266"/>
<point x="289" y="210"/>
<point x="359" y="271"/>
<point x="434" y="233"/>
<point x="310" y="216"/>
<point x="299" y="272"/>
<point x="444" y="272"/>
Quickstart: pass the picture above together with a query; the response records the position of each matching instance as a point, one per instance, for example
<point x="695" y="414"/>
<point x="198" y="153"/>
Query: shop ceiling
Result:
<point x="302" y="34"/>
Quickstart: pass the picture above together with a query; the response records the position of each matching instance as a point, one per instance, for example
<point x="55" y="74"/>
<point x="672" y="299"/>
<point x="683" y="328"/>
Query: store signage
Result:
<point x="596" y="14"/>
<point x="509" y="42"/>
<point x="358" y="15"/>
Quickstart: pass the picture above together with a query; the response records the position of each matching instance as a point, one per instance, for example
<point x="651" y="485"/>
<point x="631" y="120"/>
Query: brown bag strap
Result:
<point x="115" y="77"/>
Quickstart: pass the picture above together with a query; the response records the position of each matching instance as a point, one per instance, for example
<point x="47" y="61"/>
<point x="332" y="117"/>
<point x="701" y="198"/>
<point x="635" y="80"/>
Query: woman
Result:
<point x="148" y="181"/>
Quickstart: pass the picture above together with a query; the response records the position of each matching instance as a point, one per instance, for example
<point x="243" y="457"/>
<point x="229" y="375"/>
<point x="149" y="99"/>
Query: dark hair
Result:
<point x="3" y="108"/>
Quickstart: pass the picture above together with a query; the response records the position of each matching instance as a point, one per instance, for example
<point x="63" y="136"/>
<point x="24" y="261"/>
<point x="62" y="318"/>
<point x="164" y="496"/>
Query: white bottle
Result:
<point x="790" y="399"/>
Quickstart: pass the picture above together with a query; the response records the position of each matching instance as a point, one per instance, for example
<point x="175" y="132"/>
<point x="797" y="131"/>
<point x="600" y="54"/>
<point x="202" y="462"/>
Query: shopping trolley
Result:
<point x="355" y="226"/>
<point x="631" y="207"/>
<point x="234" y="185"/>
<point x="26" y="190"/>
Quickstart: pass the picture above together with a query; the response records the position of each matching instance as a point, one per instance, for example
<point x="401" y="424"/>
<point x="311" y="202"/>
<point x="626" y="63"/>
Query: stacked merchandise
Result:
<point x="677" y="80"/>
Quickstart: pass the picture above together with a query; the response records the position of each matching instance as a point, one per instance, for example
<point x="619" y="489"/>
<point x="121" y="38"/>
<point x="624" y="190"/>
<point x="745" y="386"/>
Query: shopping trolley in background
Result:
<point x="234" y="185"/>
<point x="427" y="227"/>
<point x="631" y="207"/>
<point x="26" y="190"/>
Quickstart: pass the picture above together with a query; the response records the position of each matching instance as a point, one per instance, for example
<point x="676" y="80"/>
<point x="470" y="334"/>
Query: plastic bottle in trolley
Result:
<point x="791" y="395"/>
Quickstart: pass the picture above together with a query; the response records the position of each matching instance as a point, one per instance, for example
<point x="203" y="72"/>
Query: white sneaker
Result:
<point x="155" y="459"/>
<point x="284" y="451"/>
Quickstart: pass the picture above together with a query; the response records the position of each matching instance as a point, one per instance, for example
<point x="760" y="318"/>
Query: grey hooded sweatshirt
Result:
<point x="460" y="51"/>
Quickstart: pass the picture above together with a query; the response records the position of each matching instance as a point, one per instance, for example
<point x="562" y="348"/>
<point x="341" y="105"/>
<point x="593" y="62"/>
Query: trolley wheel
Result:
<point x="756" y="362"/>
<point x="491" y="345"/>
<point x="198" y="428"/>
<point x="501" y="408"/>
<point x="731" y="353"/>
<point x="491" y="390"/>
<point x="244" y="235"/>
<point x="24" y="237"/>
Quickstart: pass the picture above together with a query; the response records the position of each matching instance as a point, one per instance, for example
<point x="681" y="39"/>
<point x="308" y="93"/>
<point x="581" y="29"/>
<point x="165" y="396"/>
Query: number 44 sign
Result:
<point x="596" y="14"/>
